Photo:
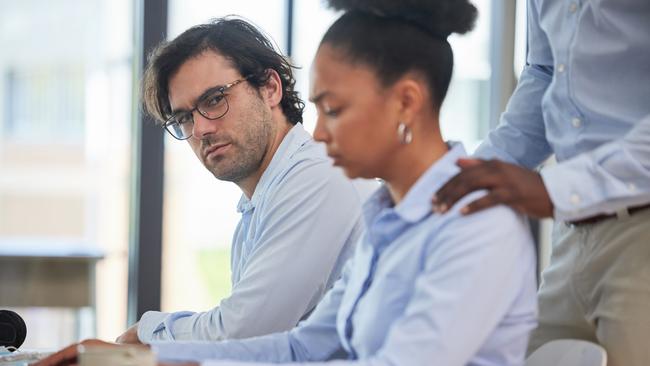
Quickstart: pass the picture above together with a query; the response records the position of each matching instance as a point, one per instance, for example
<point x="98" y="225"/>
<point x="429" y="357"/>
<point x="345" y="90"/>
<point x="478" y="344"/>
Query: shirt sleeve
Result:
<point x="520" y="137"/>
<point x="315" y="339"/>
<point x="472" y="277"/>
<point x="611" y="177"/>
<point x="309" y="223"/>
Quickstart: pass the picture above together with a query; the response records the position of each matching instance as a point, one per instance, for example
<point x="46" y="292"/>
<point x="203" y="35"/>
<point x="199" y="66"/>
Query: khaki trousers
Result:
<point x="597" y="288"/>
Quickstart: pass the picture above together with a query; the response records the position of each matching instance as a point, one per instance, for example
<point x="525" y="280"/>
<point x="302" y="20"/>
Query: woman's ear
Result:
<point x="272" y="91"/>
<point x="411" y="96"/>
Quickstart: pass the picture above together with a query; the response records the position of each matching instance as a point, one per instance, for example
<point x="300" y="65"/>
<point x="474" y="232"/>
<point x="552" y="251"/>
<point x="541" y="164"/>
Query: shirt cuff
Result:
<point x="184" y="351"/>
<point x="151" y="322"/>
<point x="568" y="204"/>
<point x="169" y="351"/>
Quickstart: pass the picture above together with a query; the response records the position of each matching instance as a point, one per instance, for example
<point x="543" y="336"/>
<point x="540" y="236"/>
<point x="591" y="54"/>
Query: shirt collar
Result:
<point x="292" y="142"/>
<point x="416" y="205"/>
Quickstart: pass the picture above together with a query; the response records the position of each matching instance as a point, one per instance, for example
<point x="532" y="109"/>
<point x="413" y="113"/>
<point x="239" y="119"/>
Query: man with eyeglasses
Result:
<point x="222" y="87"/>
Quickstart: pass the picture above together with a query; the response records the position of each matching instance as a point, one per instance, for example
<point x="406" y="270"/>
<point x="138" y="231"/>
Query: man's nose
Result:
<point x="203" y="126"/>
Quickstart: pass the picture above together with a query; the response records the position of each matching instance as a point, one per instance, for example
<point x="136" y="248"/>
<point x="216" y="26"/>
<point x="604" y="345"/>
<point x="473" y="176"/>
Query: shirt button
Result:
<point x="573" y="7"/>
<point x="575" y="199"/>
<point x="576" y="122"/>
<point x="632" y="187"/>
<point x="560" y="68"/>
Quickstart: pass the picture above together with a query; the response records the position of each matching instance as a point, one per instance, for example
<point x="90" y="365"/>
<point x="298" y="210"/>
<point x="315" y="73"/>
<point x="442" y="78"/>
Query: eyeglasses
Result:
<point x="212" y="105"/>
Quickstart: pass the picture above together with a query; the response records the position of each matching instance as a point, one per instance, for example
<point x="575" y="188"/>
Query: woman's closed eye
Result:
<point x="330" y="111"/>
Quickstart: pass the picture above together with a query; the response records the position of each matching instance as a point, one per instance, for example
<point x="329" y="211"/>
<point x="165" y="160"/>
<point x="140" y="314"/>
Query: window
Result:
<point x="465" y="112"/>
<point x="44" y="103"/>
<point x="65" y="117"/>
<point x="311" y="21"/>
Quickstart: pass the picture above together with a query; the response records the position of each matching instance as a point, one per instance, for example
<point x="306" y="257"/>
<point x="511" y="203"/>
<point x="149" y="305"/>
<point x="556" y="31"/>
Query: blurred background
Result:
<point x="102" y="216"/>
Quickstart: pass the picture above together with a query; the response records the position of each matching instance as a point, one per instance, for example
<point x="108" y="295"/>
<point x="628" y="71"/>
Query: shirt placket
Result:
<point x="245" y="245"/>
<point x="572" y="118"/>
<point x="386" y="229"/>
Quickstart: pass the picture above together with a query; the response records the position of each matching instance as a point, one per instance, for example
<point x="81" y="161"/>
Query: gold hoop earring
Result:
<point x="404" y="134"/>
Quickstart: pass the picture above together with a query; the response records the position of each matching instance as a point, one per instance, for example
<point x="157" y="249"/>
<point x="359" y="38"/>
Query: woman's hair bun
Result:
<point x="439" y="17"/>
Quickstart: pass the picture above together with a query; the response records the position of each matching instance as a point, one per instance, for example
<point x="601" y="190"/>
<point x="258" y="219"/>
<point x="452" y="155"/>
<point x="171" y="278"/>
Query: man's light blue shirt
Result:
<point x="585" y="97"/>
<point x="421" y="289"/>
<point x="295" y="234"/>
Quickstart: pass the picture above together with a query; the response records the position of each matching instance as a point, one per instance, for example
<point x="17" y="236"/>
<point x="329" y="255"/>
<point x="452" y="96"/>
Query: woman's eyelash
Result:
<point x="331" y="111"/>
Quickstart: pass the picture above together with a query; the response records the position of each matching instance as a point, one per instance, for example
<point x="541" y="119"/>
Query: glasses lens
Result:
<point x="214" y="106"/>
<point x="180" y="126"/>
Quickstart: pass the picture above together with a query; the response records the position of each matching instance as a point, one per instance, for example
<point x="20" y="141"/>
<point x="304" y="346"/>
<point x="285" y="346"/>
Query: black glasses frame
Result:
<point x="172" y="120"/>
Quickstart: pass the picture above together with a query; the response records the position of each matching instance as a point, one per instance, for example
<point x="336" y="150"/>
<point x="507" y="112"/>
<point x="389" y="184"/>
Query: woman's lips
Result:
<point x="336" y="159"/>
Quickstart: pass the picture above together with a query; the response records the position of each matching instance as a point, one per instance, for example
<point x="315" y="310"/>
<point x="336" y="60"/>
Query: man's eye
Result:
<point x="186" y="118"/>
<point x="213" y="100"/>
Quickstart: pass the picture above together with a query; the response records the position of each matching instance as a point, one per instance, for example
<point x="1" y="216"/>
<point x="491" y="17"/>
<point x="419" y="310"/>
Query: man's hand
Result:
<point x="68" y="355"/>
<point x="507" y="184"/>
<point x="130" y="336"/>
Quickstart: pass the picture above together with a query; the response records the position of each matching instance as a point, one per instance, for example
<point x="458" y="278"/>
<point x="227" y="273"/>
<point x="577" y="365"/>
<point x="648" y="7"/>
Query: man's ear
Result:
<point x="272" y="91"/>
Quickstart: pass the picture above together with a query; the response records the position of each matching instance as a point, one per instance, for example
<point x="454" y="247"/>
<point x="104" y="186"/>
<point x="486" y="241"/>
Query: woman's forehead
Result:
<point x="332" y="71"/>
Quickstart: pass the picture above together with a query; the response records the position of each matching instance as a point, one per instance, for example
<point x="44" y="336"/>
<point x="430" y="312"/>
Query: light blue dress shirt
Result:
<point x="421" y="289"/>
<point x="585" y="97"/>
<point x="295" y="234"/>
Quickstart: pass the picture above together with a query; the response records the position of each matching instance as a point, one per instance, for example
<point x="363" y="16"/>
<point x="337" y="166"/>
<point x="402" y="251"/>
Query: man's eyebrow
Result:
<point x="317" y="98"/>
<point x="208" y="92"/>
<point x="203" y="95"/>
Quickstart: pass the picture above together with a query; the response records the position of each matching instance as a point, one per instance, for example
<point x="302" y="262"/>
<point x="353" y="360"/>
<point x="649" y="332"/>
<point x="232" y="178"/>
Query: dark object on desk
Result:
<point x="12" y="330"/>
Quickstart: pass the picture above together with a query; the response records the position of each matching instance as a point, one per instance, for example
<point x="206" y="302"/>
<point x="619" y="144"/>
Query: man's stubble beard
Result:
<point x="245" y="156"/>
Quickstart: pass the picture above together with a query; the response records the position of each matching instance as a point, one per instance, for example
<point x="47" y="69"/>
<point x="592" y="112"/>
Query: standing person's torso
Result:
<point x="601" y="60"/>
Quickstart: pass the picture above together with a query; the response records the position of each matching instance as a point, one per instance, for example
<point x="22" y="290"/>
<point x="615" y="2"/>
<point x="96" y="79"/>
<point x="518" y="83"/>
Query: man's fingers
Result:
<point x="464" y="163"/>
<point x="493" y="198"/>
<point x="65" y="356"/>
<point x="68" y="355"/>
<point x="130" y="336"/>
<point x="452" y="191"/>
<point x="479" y="176"/>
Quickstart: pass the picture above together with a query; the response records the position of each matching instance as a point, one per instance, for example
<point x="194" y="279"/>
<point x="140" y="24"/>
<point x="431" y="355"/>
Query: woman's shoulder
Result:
<point x="494" y="228"/>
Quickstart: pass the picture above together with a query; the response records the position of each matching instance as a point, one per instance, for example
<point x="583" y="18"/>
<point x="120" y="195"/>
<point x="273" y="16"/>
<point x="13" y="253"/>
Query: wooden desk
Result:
<point x="47" y="273"/>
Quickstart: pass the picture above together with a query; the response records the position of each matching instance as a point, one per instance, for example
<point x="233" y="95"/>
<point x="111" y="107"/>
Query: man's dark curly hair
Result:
<point x="250" y="52"/>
